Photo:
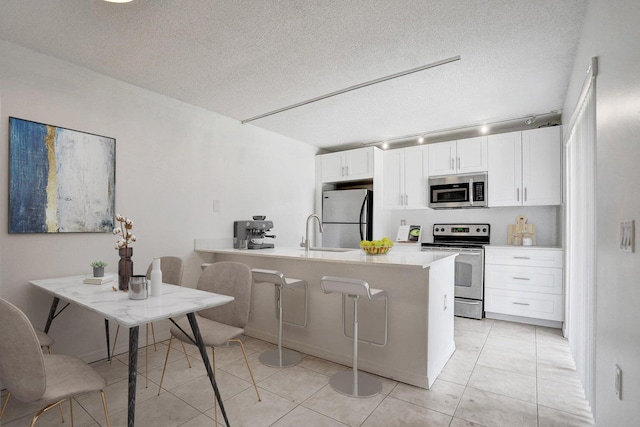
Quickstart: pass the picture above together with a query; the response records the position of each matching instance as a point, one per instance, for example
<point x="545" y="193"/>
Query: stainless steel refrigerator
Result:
<point x="347" y="217"/>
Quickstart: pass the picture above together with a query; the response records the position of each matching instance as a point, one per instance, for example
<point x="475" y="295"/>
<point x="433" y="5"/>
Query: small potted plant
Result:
<point x="98" y="268"/>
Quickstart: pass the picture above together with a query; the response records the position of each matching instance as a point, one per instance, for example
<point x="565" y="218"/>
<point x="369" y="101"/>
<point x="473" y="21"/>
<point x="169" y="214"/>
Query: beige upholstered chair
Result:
<point x="45" y="341"/>
<point x="221" y="325"/>
<point x="172" y="270"/>
<point x="41" y="379"/>
<point x="171" y="267"/>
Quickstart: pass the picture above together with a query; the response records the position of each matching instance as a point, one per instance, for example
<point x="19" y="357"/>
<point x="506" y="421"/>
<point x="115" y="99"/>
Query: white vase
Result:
<point x="156" y="278"/>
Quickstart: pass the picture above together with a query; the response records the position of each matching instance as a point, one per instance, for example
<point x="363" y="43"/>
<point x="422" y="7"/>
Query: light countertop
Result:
<point x="396" y="256"/>
<point x="505" y="246"/>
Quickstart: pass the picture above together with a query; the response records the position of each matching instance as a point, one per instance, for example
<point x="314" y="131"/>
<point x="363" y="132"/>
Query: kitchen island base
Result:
<point x="420" y="311"/>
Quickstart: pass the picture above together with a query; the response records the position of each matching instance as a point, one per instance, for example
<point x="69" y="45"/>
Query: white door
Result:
<point x="416" y="167"/>
<point x="359" y="163"/>
<point x="442" y="158"/>
<point x="542" y="166"/>
<point x="393" y="190"/>
<point x="505" y="169"/>
<point x="332" y="167"/>
<point x="472" y="155"/>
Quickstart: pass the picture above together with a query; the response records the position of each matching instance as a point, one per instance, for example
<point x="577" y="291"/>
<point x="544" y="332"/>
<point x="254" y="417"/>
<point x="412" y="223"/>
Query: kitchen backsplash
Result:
<point x="547" y="220"/>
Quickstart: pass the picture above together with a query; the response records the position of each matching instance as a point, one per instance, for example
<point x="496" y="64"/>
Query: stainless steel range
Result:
<point x="469" y="241"/>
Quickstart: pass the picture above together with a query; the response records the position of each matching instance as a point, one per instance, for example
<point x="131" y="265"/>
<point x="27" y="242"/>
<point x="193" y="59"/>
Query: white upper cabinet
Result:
<point x="348" y="165"/>
<point x="525" y="168"/>
<point x="393" y="179"/>
<point x="472" y="155"/>
<point x="462" y="156"/>
<point x="542" y="166"/>
<point x="405" y="178"/>
<point x="416" y="174"/>
<point x="442" y="158"/>
<point x="505" y="169"/>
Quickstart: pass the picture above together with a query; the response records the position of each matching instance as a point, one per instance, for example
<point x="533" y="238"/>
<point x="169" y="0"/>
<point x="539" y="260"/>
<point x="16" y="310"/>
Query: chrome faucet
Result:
<point x="307" y="244"/>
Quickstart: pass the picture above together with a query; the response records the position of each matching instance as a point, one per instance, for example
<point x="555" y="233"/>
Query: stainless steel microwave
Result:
<point x="458" y="191"/>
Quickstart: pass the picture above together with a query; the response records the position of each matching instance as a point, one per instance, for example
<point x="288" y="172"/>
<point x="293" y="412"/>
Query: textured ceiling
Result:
<point x="242" y="58"/>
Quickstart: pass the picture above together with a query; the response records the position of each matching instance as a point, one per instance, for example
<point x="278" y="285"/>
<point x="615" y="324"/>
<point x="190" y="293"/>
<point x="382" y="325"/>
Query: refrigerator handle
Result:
<point x="360" y="223"/>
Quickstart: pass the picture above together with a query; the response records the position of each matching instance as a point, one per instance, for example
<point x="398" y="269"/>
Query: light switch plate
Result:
<point x="627" y="235"/>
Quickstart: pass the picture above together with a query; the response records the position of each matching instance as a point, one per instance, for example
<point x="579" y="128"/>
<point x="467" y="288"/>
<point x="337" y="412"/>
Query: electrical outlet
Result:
<point x="618" y="382"/>
<point x="627" y="235"/>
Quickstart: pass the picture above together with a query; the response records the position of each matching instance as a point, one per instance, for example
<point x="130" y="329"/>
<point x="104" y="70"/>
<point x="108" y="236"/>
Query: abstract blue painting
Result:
<point x="60" y="180"/>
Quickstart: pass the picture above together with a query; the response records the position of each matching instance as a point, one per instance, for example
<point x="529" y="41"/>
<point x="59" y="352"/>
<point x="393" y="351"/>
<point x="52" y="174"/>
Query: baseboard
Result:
<point x="527" y="320"/>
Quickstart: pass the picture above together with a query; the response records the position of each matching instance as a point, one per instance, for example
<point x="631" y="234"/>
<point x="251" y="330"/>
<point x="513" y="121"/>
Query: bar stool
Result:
<point x="281" y="357"/>
<point x="355" y="383"/>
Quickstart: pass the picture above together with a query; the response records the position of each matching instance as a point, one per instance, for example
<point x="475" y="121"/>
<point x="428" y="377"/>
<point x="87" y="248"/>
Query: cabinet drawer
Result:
<point x="526" y="304"/>
<point x="524" y="279"/>
<point x="524" y="256"/>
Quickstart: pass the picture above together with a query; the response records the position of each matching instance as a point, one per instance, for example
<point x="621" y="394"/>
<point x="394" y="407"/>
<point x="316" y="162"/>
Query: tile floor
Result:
<point x="502" y="374"/>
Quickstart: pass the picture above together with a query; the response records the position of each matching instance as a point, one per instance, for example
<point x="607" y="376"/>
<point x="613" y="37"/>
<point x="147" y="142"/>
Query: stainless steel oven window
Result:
<point x="469" y="275"/>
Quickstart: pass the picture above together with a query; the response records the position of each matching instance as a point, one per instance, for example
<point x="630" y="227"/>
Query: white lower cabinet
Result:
<point x="525" y="282"/>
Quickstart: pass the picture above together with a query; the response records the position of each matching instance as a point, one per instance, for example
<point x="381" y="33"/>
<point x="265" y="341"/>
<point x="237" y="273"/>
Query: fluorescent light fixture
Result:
<point x="421" y="139"/>
<point x="119" y="1"/>
<point x="484" y="129"/>
<point x="385" y="145"/>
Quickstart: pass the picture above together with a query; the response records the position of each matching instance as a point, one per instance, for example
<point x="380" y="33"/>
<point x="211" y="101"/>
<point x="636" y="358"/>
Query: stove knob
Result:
<point x="477" y="230"/>
<point x="484" y="230"/>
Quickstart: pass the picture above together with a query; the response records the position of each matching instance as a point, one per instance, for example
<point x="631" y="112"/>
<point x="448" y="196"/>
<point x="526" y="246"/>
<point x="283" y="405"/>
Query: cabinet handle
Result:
<point x="458" y="162"/>
<point x="521" y="303"/>
<point x="521" y="257"/>
<point x="406" y="200"/>
<point x="521" y="278"/>
<point x="518" y="194"/>
<point x="525" y="194"/>
<point x="445" y="302"/>
<point x="347" y="168"/>
<point x="401" y="200"/>
<point x="452" y="163"/>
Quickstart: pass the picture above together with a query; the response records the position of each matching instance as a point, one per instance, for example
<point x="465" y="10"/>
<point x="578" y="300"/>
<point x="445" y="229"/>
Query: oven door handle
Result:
<point x="470" y="251"/>
<point x="465" y="251"/>
<point x="438" y="248"/>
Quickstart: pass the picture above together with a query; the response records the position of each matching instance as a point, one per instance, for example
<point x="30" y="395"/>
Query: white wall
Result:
<point x="173" y="160"/>
<point x="545" y="218"/>
<point x="611" y="33"/>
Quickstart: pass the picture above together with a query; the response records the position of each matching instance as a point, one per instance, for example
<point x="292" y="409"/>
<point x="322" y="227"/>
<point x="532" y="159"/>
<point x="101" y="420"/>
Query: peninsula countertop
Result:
<point x="418" y="317"/>
<point x="396" y="256"/>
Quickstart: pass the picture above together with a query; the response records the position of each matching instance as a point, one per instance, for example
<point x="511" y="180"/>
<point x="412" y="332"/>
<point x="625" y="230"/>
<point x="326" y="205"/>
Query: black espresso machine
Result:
<point x="250" y="234"/>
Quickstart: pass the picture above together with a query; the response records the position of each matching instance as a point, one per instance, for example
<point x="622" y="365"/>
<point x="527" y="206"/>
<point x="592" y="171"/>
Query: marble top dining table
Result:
<point x="117" y="307"/>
